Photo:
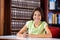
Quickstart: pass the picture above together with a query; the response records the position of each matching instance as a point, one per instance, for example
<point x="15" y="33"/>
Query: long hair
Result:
<point x="41" y="12"/>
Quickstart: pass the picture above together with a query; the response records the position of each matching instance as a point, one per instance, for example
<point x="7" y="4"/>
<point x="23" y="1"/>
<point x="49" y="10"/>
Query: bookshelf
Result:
<point x="21" y="11"/>
<point x="54" y="13"/>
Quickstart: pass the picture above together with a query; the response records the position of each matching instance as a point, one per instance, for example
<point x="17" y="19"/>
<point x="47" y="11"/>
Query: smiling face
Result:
<point x="37" y="16"/>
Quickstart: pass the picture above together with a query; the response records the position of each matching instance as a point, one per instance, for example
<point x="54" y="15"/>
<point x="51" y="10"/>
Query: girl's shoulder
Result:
<point x="30" y="21"/>
<point x="44" y="22"/>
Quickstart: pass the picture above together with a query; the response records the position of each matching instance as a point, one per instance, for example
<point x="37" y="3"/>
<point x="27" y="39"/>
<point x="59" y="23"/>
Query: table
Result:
<point x="14" y="37"/>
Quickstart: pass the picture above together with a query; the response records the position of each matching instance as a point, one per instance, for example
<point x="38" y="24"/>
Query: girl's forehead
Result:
<point x="37" y="12"/>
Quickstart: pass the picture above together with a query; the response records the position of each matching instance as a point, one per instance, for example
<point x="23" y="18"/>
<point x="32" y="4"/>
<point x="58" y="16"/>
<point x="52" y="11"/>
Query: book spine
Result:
<point x="55" y="19"/>
<point x="58" y="18"/>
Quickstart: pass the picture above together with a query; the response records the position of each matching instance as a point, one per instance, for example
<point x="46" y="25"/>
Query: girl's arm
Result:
<point x="20" y="33"/>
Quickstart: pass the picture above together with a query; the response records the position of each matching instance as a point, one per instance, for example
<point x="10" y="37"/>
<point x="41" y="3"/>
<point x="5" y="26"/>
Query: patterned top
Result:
<point x="33" y="30"/>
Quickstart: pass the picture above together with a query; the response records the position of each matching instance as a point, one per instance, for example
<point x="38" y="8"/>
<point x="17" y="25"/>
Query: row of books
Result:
<point x="26" y="0"/>
<point x="16" y="25"/>
<point x="21" y="9"/>
<point x="53" y="18"/>
<point x="25" y="4"/>
<point x="13" y="33"/>
<point x="21" y="13"/>
<point x="54" y="5"/>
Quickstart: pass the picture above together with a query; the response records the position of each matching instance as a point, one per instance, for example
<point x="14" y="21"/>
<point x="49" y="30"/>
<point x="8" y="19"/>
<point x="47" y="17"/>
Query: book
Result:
<point x="50" y="17"/>
<point x="58" y="18"/>
<point x="54" y="18"/>
<point x="52" y="4"/>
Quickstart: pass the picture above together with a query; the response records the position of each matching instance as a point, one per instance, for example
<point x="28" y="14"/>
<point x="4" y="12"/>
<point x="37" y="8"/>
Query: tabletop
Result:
<point x="14" y="37"/>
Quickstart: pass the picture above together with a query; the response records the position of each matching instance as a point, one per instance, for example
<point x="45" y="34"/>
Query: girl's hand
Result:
<point x="25" y="35"/>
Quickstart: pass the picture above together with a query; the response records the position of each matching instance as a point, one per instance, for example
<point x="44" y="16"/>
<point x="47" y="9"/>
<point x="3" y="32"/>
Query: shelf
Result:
<point x="58" y="12"/>
<point x="54" y="25"/>
<point x="22" y="7"/>
<point x="25" y="4"/>
<point x="21" y="18"/>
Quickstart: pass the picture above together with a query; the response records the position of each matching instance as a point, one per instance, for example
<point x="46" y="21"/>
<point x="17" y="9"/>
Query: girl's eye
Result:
<point x="38" y="15"/>
<point x="34" y="14"/>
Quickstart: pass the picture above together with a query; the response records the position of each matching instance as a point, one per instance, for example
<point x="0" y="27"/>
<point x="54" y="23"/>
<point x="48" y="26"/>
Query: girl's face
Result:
<point x="37" y="16"/>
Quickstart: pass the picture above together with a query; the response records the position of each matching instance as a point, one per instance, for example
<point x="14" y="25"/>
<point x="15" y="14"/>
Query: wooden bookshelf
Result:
<point x="7" y="12"/>
<point x="44" y="6"/>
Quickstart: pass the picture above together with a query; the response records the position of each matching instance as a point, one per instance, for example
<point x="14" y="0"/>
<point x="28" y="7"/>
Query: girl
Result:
<point x="37" y="27"/>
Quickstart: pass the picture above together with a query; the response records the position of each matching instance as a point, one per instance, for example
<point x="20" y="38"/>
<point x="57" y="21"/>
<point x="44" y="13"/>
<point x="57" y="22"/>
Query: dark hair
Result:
<point x="40" y="10"/>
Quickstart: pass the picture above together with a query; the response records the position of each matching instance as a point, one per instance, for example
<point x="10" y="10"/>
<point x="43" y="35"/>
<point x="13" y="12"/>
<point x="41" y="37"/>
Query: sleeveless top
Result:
<point x="33" y="30"/>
